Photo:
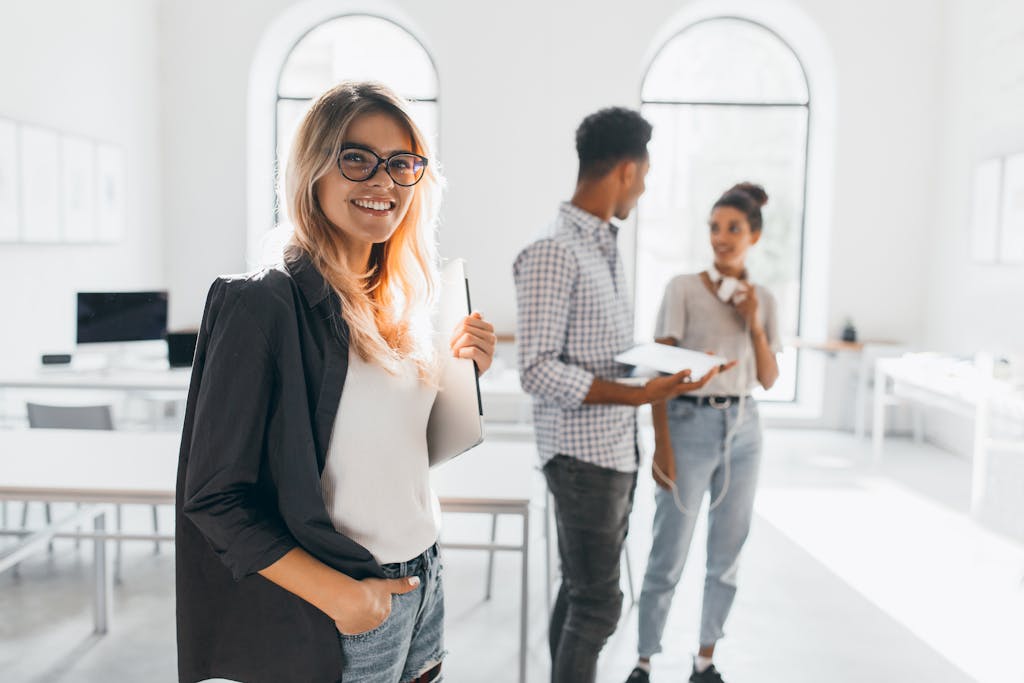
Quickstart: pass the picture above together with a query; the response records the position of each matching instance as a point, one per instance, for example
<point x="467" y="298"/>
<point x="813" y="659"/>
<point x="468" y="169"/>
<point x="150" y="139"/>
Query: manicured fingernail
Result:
<point x="414" y="580"/>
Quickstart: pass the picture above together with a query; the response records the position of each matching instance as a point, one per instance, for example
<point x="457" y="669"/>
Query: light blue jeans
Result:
<point x="411" y="639"/>
<point x="698" y="434"/>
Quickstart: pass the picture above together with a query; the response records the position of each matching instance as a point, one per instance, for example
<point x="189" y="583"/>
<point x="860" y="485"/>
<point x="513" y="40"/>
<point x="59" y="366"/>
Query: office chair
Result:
<point x="69" y="417"/>
<point x="64" y="417"/>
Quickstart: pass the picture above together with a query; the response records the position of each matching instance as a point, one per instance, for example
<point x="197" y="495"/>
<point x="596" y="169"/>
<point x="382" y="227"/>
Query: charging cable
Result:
<point x="726" y="444"/>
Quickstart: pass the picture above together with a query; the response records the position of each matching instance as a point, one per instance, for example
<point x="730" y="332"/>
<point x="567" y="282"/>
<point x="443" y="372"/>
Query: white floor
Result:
<point x="850" y="575"/>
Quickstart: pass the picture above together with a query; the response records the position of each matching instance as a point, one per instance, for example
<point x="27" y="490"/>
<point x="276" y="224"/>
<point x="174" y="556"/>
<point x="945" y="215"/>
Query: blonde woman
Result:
<point x="307" y="529"/>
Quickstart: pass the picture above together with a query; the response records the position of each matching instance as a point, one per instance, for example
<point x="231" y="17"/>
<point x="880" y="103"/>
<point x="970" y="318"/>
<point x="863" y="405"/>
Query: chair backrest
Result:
<point x="42" y="416"/>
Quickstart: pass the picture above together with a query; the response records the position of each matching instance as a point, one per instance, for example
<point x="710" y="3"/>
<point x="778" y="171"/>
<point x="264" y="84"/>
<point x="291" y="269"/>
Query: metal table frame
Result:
<point x="37" y="541"/>
<point x="104" y="497"/>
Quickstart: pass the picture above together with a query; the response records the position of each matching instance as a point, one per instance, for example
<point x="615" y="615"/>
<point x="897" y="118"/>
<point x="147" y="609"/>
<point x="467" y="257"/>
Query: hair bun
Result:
<point x="755" y="192"/>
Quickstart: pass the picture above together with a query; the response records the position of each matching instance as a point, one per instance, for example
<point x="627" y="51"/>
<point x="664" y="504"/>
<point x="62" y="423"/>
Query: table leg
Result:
<point x="103" y="588"/>
<point x="861" y="408"/>
<point x="878" y="422"/>
<point x="156" y="529"/>
<point x="118" y="556"/>
<point x="48" y="512"/>
<point x="525" y="597"/>
<point x="917" y="413"/>
<point x="629" y="572"/>
<point x="490" y="556"/>
<point x="547" y="547"/>
<point x="979" y="460"/>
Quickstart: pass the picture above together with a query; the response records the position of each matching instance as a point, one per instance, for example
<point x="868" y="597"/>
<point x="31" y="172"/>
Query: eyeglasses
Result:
<point x="359" y="164"/>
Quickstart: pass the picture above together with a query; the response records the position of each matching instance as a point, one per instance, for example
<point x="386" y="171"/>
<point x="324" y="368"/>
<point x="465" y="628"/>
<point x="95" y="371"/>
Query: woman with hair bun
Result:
<point x="710" y="440"/>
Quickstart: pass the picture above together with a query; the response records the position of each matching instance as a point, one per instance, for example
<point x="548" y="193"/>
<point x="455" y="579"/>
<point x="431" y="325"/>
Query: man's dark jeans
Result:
<point x="592" y="506"/>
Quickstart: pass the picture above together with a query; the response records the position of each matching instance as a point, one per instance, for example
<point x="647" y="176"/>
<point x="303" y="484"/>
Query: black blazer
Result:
<point x="269" y="369"/>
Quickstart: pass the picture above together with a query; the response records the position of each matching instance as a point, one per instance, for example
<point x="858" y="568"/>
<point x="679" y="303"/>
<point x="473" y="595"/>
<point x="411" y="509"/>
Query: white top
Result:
<point x="700" y="321"/>
<point x="376" y="481"/>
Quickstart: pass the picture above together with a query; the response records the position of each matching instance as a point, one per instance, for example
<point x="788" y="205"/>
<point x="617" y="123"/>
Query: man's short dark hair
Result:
<point x="609" y="136"/>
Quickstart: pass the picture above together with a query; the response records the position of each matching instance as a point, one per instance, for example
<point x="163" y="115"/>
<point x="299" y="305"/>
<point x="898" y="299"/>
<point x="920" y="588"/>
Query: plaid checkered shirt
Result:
<point x="574" y="317"/>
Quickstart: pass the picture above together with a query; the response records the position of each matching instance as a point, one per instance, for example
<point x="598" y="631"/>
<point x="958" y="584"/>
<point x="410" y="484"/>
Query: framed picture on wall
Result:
<point x="110" y="193"/>
<point x="1011" y="231"/>
<point x="986" y="206"/>
<point x="39" y="185"/>
<point x="9" y="190"/>
<point x="78" y="189"/>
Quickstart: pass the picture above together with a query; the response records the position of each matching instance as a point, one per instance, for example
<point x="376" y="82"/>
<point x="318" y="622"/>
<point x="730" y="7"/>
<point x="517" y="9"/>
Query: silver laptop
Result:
<point x="456" y="420"/>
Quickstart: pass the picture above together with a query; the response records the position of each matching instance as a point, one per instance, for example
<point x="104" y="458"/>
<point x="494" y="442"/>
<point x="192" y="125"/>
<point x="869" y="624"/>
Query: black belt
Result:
<point x="720" y="402"/>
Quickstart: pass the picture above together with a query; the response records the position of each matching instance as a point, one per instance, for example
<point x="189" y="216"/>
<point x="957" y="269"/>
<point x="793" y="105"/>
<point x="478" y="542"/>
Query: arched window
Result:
<point x="351" y="47"/>
<point x="729" y="101"/>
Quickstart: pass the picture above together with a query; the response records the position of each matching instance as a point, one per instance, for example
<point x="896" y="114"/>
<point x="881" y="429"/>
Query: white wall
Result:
<point x="888" y="83"/>
<point x="519" y="77"/>
<point x="206" y="48"/>
<point x="973" y="306"/>
<point x="88" y="69"/>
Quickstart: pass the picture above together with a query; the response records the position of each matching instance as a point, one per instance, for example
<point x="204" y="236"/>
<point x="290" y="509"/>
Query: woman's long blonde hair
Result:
<point x="387" y="307"/>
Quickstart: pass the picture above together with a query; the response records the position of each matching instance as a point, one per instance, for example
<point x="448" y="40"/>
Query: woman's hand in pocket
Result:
<point x="373" y="610"/>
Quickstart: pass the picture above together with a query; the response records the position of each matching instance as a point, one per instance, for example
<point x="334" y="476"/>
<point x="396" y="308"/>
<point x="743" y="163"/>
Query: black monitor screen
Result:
<point x="121" y="316"/>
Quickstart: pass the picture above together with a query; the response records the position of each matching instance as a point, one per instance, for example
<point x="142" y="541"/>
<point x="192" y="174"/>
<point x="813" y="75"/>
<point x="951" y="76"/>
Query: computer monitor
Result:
<point x="115" y="317"/>
<point x="181" y="348"/>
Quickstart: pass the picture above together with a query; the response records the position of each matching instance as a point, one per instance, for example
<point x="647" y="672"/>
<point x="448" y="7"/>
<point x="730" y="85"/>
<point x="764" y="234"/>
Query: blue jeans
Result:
<point x="698" y="434"/>
<point x="592" y="506"/>
<point x="411" y="640"/>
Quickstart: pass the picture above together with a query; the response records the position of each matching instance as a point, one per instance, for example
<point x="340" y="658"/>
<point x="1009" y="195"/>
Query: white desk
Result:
<point x="504" y="399"/>
<point x="502" y="396"/>
<point x="153" y="386"/>
<point x="957" y="388"/>
<point x="88" y="466"/>
<point x="864" y="354"/>
<point x="61" y="465"/>
<point x="62" y="377"/>
<point x="494" y="478"/>
<point x="498" y="388"/>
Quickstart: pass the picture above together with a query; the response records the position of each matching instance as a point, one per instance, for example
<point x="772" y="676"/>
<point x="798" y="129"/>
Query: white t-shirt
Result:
<point x="376" y="480"/>
<point x="699" y="320"/>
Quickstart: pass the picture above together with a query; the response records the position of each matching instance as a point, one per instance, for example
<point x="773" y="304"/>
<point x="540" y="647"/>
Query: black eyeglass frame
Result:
<point x="386" y="162"/>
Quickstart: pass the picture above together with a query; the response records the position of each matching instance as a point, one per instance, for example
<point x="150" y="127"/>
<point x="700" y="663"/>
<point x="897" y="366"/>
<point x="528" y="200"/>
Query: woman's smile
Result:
<point x="374" y="206"/>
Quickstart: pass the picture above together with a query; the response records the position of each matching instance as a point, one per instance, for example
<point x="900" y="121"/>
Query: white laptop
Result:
<point x="456" y="420"/>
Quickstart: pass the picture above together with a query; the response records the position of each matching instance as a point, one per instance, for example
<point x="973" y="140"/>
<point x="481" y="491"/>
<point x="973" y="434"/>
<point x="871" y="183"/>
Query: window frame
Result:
<point x="657" y="54"/>
<point x="278" y="97"/>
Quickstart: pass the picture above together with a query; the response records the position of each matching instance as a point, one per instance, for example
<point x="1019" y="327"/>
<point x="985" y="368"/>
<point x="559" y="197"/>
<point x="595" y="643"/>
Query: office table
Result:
<point x="34" y="542"/>
<point x="100" y="467"/>
<point x="63" y="377"/>
<point x="864" y="354"/>
<point x="154" y="383"/>
<point x="501" y="394"/>
<point x="954" y="387"/>
<point x="494" y="478"/>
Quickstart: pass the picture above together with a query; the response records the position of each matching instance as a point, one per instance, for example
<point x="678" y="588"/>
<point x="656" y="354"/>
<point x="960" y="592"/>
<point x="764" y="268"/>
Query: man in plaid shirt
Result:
<point x="574" y="317"/>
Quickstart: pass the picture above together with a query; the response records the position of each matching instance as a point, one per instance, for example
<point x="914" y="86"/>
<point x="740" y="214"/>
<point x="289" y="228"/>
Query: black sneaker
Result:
<point x="639" y="676"/>
<point x="709" y="675"/>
